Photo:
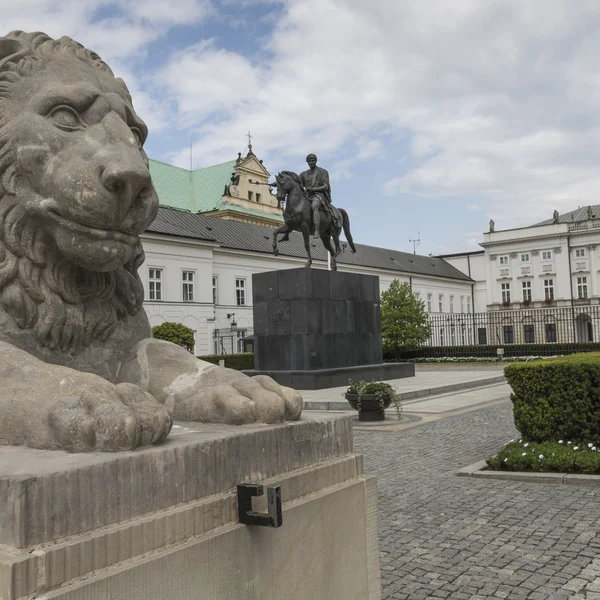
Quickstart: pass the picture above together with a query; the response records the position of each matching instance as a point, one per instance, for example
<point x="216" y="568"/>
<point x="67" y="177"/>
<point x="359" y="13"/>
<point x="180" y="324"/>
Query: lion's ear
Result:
<point x="11" y="50"/>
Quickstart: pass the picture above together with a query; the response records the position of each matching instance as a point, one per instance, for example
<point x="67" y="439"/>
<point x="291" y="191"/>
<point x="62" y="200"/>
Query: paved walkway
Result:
<point x="424" y="383"/>
<point x="444" y="536"/>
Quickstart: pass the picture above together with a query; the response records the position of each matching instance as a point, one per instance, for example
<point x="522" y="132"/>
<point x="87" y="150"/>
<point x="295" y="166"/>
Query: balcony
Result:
<point x="579" y="225"/>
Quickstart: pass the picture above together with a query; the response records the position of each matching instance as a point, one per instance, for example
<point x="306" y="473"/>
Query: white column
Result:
<point x="592" y="287"/>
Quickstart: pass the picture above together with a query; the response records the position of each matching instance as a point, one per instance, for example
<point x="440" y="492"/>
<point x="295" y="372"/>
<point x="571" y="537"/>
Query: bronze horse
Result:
<point x="298" y="216"/>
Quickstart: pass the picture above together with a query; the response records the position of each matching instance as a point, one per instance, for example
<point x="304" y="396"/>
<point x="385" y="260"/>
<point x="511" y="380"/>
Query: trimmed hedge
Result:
<point x="557" y="399"/>
<point x="488" y="350"/>
<point x="239" y="362"/>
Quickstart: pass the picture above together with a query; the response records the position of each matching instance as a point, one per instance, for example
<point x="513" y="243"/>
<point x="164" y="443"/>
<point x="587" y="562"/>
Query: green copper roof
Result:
<point x="197" y="191"/>
<point x="172" y="185"/>
<point x="209" y="184"/>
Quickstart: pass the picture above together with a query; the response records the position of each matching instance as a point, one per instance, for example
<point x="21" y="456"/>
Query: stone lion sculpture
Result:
<point x="78" y="369"/>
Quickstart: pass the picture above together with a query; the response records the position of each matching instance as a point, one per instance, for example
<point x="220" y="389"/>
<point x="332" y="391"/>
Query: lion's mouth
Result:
<point x="93" y="232"/>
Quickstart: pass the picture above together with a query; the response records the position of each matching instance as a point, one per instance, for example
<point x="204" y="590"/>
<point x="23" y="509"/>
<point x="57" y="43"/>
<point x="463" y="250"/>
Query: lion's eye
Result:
<point x="66" y="118"/>
<point x="138" y="136"/>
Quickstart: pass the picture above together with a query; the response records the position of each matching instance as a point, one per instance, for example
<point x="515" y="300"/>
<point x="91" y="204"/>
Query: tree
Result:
<point x="404" y="321"/>
<point x="175" y="332"/>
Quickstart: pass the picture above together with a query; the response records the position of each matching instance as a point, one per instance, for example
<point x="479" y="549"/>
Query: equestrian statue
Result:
<point x="308" y="209"/>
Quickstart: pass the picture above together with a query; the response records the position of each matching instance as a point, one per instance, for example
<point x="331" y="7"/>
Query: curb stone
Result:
<point x="478" y="469"/>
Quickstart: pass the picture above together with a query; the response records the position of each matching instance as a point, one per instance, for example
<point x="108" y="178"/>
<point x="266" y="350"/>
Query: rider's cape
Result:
<point x="318" y="178"/>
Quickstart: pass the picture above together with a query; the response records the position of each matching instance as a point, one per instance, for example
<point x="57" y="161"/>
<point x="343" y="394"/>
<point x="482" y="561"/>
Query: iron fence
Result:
<point x="522" y="331"/>
<point x="544" y="328"/>
<point x="232" y="341"/>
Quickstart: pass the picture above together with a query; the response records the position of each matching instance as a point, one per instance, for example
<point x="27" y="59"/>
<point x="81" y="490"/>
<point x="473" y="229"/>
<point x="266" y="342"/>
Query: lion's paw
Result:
<point x="228" y="396"/>
<point x="109" y="418"/>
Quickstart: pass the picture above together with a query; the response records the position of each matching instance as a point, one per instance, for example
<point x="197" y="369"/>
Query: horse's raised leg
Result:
<point x="306" y="236"/>
<point x="282" y="229"/>
<point x="336" y="240"/>
<point x="326" y="239"/>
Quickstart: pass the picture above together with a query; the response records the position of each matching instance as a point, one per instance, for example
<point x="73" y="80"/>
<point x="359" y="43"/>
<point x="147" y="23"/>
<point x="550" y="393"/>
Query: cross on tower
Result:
<point x="250" y="153"/>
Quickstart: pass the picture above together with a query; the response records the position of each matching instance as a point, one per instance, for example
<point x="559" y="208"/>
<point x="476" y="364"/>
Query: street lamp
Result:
<point x="233" y="323"/>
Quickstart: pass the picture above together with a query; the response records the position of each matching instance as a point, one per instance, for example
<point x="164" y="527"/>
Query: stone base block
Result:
<point x="328" y="378"/>
<point x="312" y="319"/>
<point x="162" y="522"/>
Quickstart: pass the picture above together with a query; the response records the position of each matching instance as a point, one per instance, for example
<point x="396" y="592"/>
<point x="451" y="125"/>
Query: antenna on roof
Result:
<point x="191" y="168"/>
<point x="416" y="242"/>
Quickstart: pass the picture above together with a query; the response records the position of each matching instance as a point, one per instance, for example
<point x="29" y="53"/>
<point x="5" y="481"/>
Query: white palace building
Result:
<point x="214" y="230"/>
<point x="539" y="284"/>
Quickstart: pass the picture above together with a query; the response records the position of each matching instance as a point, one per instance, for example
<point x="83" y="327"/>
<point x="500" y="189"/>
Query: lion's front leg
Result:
<point x="57" y="408"/>
<point x="195" y="390"/>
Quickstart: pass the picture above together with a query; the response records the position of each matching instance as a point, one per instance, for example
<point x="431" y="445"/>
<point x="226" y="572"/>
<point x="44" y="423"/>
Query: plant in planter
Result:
<point x="371" y="399"/>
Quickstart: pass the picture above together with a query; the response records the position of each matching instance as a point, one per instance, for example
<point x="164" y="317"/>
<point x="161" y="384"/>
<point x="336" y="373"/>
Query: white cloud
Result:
<point x="161" y="13"/>
<point x="422" y="145"/>
<point x="466" y="241"/>
<point x="206" y="81"/>
<point x="369" y="149"/>
<point x="495" y="100"/>
<point x="132" y="25"/>
<point x="473" y="207"/>
<point x="119" y="39"/>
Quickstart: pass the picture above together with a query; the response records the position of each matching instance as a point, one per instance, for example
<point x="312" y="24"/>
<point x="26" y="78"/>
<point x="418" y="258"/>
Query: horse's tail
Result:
<point x="346" y="226"/>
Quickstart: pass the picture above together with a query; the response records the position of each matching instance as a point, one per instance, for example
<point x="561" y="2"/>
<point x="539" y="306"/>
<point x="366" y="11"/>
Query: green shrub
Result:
<point x="239" y="362"/>
<point x="176" y="333"/>
<point x="558" y="398"/>
<point x="370" y="387"/>
<point x="380" y="389"/>
<point x="547" y="457"/>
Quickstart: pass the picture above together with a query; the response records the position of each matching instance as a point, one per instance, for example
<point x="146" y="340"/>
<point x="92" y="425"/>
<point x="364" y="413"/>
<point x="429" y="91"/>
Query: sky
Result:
<point x="432" y="117"/>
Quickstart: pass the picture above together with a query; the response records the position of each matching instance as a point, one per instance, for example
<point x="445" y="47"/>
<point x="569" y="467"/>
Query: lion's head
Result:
<point x="75" y="191"/>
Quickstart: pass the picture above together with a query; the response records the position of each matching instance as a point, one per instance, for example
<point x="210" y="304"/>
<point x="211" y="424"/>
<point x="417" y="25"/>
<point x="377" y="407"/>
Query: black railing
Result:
<point x="231" y="341"/>
<point x="536" y="330"/>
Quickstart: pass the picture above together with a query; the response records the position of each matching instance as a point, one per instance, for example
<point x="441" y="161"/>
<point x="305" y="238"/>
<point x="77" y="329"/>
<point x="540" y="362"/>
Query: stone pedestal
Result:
<point x="162" y="522"/>
<point x="316" y="329"/>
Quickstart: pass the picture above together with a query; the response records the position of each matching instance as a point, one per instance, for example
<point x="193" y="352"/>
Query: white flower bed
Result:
<point x="477" y="359"/>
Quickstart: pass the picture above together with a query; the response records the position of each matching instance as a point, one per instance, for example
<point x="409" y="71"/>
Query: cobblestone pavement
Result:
<point x="444" y="536"/>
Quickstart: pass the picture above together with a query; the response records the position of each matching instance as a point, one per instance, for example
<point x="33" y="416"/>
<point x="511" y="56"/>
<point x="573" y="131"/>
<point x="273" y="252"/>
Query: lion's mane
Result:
<point x="65" y="306"/>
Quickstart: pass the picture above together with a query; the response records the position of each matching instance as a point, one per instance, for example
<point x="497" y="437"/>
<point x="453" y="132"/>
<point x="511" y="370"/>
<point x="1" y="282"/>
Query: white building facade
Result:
<point x="540" y="284"/>
<point x="194" y="275"/>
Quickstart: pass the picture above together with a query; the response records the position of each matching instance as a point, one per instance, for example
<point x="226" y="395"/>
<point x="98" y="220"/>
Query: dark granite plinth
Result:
<point x="315" y="329"/>
<point x="327" y="378"/>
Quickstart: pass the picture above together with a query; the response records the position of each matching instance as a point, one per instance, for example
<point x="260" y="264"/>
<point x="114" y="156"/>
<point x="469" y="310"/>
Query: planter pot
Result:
<point x="370" y="406"/>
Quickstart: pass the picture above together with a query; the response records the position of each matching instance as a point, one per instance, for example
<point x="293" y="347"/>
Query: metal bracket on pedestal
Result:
<point x="245" y="493"/>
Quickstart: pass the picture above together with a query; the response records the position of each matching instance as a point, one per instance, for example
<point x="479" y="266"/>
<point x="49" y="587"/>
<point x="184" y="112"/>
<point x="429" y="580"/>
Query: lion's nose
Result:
<point x="127" y="183"/>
